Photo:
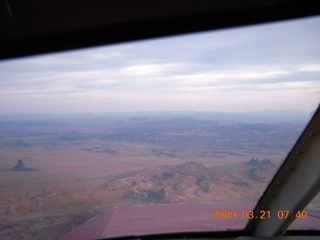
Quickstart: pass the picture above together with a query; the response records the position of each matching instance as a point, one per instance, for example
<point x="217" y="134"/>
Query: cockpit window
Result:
<point x="200" y="118"/>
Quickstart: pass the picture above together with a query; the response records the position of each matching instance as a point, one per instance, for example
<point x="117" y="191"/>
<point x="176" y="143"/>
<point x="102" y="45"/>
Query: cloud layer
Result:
<point x="274" y="66"/>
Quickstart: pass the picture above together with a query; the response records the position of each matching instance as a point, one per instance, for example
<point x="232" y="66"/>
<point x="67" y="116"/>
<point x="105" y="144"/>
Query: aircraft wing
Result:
<point x="173" y="218"/>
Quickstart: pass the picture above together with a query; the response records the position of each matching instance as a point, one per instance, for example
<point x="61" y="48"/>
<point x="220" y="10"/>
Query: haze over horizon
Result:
<point x="274" y="66"/>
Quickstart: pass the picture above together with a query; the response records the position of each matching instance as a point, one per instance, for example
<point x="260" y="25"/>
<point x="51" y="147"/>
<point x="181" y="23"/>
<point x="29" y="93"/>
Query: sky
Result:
<point x="262" y="67"/>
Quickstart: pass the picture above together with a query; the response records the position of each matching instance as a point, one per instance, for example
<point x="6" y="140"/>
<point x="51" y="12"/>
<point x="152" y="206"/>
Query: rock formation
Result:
<point x="20" y="167"/>
<point x="189" y="181"/>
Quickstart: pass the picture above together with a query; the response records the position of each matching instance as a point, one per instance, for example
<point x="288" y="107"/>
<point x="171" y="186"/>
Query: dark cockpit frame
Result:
<point x="44" y="26"/>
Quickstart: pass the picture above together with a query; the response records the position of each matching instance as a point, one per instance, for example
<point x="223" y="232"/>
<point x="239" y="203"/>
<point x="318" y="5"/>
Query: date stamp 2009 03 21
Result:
<point x="262" y="215"/>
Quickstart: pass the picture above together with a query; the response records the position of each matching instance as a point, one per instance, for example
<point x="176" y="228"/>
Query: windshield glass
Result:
<point x="201" y="118"/>
<point x="313" y="207"/>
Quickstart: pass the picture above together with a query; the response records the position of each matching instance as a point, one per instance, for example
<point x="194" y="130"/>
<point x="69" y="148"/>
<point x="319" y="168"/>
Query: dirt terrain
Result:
<point x="80" y="172"/>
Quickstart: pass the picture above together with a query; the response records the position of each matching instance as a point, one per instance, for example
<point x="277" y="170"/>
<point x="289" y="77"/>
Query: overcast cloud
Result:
<point x="275" y="66"/>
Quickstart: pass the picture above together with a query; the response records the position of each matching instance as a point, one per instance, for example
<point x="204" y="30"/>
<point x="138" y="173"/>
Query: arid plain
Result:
<point x="79" y="169"/>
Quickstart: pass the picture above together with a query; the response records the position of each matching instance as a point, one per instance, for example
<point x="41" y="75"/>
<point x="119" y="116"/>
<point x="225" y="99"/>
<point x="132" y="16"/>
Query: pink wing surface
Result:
<point x="171" y="218"/>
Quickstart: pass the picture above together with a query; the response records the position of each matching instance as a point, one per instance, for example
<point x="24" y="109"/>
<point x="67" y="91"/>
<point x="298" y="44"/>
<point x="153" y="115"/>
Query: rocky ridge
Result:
<point x="189" y="181"/>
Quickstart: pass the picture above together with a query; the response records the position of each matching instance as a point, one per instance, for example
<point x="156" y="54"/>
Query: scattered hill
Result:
<point x="263" y="170"/>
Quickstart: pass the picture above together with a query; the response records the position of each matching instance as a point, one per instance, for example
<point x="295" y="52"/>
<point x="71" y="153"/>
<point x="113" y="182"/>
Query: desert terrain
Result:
<point x="55" y="174"/>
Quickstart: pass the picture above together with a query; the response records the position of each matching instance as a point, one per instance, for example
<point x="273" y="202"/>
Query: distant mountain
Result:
<point x="100" y="119"/>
